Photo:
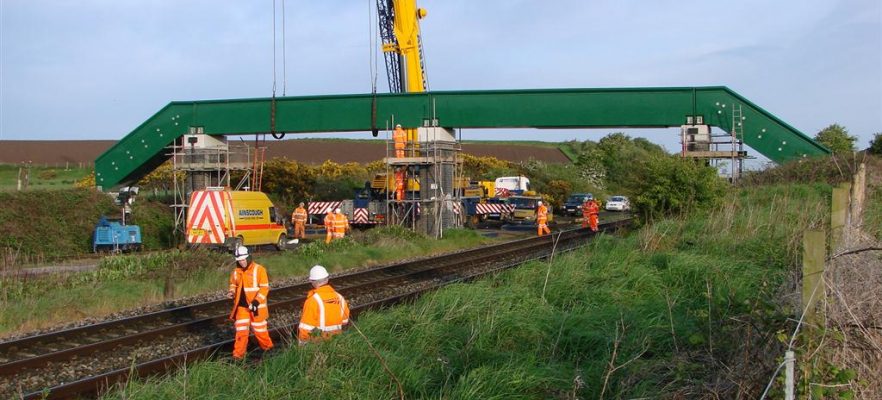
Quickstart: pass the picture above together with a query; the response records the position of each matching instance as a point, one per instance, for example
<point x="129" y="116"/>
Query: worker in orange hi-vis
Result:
<point x="399" y="184"/>
<point x="542" y="219"/>
<point x="593" y="214"/>
<point x="586" y="213"/>
<point x="249" y="287"/>
<point x="341" y="224"/>
<point x="329" y="226"/>
<point x="325" y="311"/>
<point x="298" y="217"/>
<point x="400" y="139"/>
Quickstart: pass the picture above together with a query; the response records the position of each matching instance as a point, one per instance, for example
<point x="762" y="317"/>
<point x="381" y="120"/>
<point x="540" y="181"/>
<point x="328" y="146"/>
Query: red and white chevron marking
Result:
<point x="457" y="208"/>
<point x="322" y="207"/>
<point x="493" y="208"/>
<point x="502" y="192"/>
<point x="361" y="216"/>
<point x="205" y="216"/>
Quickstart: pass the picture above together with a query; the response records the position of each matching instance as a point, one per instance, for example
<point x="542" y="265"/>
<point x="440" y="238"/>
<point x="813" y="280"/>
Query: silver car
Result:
<point x="618" y="203"/>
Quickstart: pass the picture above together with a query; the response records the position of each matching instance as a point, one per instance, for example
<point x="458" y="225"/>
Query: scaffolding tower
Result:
<point x="718" y="149"/>
<point x="431" y="166"/>
<point x="200" y="161"/>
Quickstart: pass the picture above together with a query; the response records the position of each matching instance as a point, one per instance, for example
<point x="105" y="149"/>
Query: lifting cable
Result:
<point x="273" y="99"/>
<point x="373" y="66"/>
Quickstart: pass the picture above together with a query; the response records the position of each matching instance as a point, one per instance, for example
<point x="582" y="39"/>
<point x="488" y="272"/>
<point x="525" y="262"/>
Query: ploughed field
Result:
<point x="310" y="151"/>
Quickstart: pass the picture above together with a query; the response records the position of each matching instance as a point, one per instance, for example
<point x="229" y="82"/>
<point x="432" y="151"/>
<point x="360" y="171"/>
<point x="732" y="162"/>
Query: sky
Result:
<point x="96" y="69"/>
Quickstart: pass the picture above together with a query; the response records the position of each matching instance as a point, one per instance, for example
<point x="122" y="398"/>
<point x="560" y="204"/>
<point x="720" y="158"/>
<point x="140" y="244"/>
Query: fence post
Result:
<point x="838" y="215"/>
<point x="789" y="360"/>
<point x="814" y="248"/>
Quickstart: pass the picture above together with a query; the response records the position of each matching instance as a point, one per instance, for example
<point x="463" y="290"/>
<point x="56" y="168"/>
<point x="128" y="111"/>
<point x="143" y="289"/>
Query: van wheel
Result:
<point x="280" y="243"/>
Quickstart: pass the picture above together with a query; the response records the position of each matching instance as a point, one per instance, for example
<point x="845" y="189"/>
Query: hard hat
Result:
<point x="337" y="210"/>
<point x="317" y="273"/>
<point x="398" y="125"/>
<point x="301" y="204"/>
<point x="241" y="253"/>
<point x="585" y="199"/>
<point x="539" y="202"/>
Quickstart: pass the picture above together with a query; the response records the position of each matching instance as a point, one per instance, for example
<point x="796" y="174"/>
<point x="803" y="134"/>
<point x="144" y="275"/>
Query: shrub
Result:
<point x="666" y="185"/>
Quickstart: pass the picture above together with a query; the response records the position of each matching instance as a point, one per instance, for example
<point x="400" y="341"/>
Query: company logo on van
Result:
<point x="250" y="214"/>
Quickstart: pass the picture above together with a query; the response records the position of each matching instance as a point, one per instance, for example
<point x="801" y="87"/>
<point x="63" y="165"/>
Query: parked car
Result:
<point x="573" y="205"/>
<point x="618" y="203"/>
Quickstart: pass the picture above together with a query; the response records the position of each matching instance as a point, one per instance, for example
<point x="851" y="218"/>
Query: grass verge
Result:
<point x="685" y="308"/>
<point x="128" y="281"/>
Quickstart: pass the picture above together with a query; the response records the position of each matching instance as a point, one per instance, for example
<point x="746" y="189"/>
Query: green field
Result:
<point x="41" y="178"/>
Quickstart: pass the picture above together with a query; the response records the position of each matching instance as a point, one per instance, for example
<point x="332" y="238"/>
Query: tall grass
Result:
<point x="685" y="308"/>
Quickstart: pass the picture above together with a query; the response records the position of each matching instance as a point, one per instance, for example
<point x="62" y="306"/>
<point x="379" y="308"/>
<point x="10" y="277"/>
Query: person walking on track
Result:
<point x="591" y="212"/>
<point x="325" y="311"/>
<point x="329" y="226"/>
<point x="341" y="224"/>
<point x="249" y="287"/>
<point x="542" y="219"/>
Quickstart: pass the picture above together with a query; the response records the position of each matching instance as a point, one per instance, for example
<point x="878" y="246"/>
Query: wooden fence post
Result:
<point x="814" y="249"/>
<point x="838" y="215"/>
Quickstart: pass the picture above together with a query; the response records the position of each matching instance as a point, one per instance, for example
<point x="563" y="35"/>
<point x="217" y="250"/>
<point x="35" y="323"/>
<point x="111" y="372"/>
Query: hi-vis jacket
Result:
<point x="299" y="215"/>
<point x="400" y="138"/>
<point x="542" y="214"/>
<point x="254" y="283"/>
<point x="325" y="310"/>
<point x="341" y="223"/>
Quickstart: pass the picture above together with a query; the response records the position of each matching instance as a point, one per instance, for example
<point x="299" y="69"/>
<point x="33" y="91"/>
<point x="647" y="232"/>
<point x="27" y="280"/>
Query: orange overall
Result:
<point x="542" y="220"/>
<point x="400" y="138"/>
<point x="399" y="185"/>
<point x="591" y="211"/>
<point x="299" y="220"/>
<point x="253" y="284"/>
<point x="329" y="227"/>
<point x="325" y="311"/>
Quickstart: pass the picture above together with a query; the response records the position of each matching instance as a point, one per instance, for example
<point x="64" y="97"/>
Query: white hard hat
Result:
<point x="585" y="199"/>
<point x="539" y="202"/>
<point x="398" y="125"/>
<point x="317" y="273"/>
<point x="337" y="210"/>
<point x="241" y="253"/>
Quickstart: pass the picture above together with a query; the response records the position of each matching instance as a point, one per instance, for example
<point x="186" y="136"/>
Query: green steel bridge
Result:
<point x="144" y="148"/>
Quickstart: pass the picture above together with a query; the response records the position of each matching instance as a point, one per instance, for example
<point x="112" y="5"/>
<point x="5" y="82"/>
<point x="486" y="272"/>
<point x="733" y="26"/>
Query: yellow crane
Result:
<point x="402" y="46"/>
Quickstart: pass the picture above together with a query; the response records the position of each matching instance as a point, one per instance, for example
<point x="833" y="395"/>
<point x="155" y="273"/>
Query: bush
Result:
<point x="667" y="185"/>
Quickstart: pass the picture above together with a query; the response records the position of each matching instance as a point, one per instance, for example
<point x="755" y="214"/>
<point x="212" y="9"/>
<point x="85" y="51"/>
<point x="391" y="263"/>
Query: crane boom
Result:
<point x="400" y="32"/>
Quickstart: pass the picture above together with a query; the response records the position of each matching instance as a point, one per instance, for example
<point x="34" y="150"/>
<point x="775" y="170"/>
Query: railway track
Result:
<point x="87" y="359"/>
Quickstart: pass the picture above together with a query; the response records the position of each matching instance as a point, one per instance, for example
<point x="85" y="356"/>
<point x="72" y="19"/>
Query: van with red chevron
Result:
<point x="220" y="217"/>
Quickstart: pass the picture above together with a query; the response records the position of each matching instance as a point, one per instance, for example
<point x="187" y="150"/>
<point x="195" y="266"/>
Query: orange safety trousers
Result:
<point x="329" y="227"/>
<point x="299" y="230"/>
<point x="244" y="318"/>
<point x="299" y="218"/>
<point x="543" y="227"/>
<point x="593" y="218"/>
<point x="254" y="284"/>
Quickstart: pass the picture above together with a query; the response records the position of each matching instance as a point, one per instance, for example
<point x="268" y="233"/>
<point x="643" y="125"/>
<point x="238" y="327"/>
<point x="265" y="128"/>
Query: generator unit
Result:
<point x="114" y="237"/>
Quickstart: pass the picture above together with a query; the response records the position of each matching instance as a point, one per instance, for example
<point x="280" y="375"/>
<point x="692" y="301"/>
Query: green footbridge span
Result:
<point x="144" y="148"/>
